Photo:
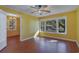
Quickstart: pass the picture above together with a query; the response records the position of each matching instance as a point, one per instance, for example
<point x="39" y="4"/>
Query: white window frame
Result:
<point x="57" y="19"/>
<point x="64" y="17"/>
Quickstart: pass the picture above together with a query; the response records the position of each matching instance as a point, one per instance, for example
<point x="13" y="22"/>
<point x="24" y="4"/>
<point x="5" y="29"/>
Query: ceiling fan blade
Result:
<point x="45" y="11"/>
<point x="34" y="11"/>
<point x="43" y="8"/>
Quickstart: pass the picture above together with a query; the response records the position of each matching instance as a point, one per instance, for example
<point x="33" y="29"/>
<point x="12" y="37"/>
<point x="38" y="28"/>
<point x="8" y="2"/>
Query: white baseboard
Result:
<point x="67" y="40"/>
<point x="26" y="39"/>
<point x="71" y="40"/>
<point x="77" y="43"/>
<point x="62" y="38"/>
<point x="36" y="34"/>
<point x="3" y="44"/>
<point x="54" y="37"/>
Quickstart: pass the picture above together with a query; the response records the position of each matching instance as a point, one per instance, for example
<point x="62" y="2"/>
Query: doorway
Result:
<point x="13" y="26"/>
<point x="10" y="26"/>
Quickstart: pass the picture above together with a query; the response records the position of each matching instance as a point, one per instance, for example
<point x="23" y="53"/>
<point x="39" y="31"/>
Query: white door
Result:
<point x="3" y="32"/>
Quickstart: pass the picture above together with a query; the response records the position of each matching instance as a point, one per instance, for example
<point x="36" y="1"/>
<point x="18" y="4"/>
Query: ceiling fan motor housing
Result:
<point x="40" y="6"/>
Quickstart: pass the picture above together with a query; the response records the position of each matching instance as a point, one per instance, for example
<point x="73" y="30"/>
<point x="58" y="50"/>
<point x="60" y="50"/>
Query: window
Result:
<point x="42" y="25"/>
<point x="12" y="23"/>
<point x="61" y="23"/>
<point x="56" y="25"/>
<point x="51" y="26"/>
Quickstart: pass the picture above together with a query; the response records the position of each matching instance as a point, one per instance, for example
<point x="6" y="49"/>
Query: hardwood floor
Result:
<point x="40" y="45"/>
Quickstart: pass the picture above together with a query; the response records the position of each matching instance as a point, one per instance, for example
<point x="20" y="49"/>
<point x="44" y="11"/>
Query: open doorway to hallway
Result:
<point x="13" y="26"/>
<point x="13" y="29"/>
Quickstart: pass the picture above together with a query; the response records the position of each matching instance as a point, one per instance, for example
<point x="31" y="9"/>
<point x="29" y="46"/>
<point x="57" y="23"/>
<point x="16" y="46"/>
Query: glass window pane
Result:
<point x="61" y="25"/>
<point x="42" y="26"/>
<point x="51" y="26"/>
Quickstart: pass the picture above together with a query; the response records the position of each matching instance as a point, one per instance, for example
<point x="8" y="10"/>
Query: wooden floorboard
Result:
<point x="40" y="45"/>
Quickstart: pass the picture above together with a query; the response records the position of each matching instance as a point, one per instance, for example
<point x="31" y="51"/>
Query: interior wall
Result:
<point x="71" y="26"/>
<point x="78" y="24"/>
<point x="3" y="32"/>
<point x="30" y="24"/>
<point x="26" y="22"/>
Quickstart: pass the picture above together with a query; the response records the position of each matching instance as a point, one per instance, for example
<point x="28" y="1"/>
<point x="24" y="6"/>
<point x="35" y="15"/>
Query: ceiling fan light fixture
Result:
<point x="40" y="9"/>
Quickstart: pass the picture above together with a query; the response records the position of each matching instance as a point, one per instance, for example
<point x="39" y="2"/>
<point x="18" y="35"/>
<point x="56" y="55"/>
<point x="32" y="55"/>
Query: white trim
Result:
<point x="11" y="14"/>
<point x="77" y="43"/>
<point x="3" y="32"/>
<point x="61" y="38"/>
<point x="1" y="11"/>
<point x="57" y="27"/>
<point x="26" y="39"/>
<point x="66" y="39"/>
<point x="36" y="34"/>
<point x="64" y="17"/>
<point x="6" y="13"/>
<point x="45" y="26"/>
<point x="56" y="19"/>
<point x="3" y="44"/>
<point x="20" y="28"/>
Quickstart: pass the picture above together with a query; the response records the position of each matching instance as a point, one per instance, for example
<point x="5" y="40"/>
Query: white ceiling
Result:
<point x="55" y="9"/>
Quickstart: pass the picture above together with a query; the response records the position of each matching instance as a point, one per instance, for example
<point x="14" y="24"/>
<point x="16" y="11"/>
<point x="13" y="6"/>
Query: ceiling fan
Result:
<point x="40" y="9"/>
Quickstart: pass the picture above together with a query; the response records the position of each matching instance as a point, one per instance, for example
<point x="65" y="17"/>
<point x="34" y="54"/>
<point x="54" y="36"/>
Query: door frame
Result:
<point x="4" y="43"/>
<point x="20" y="28"/>
<point x="11" y="14"/>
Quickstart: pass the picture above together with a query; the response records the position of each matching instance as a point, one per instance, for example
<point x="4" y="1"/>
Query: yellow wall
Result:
<point x="26" y="19"/>
<point x="78" y="24"/>
<point x="71" y="25"/>
<point x="30" y="24"/>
